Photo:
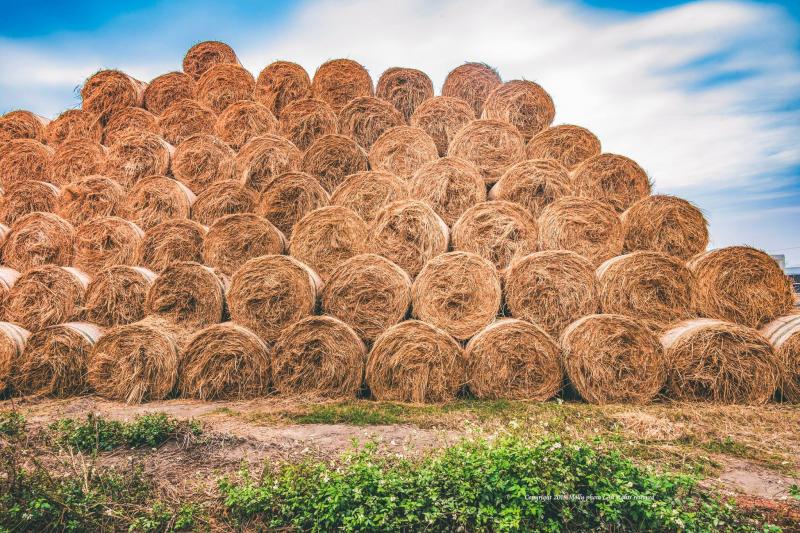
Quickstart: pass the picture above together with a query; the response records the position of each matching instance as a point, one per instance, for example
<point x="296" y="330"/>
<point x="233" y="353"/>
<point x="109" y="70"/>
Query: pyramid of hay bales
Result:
<point x="216" y="235"/>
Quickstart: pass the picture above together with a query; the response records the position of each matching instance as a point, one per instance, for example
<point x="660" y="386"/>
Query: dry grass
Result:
<point x="533" y="184"/>
<point x="442" y="117"/>
<point x="242" y="121"/>
<point x="666" y="224"/>
<point x="265" y="157"/>
<point x="202" y="160"/>
<point x="189" y="294"/>
<point x="12" y="343"/>
<point x="223" y="198"/>
<point x="172" y="241"/>
<point x="8" y="277"/>
<point x="90" y="197"/>
<point x="333" y="157"/>
<point x="107" y="91"/>
<point x="523" y="104"/>
<point x="472" y="82"/>
<point x="784" y="335"/>
<point x="73" y="124"/>
<point x="614" y="179"/>
<point x="449" y="185"/>
<point x="75" y="159"/>
<point x="405" y="88"/>
<point x="45" y="296"/>
<point x="339" y="81"/>
<point x="402" y="151"/>
<point x="107" y="241"/>
<point x="136" y="155"/>
<point x="224" y="84"/>
<point x="365" y="118"/>
<point x="288" y="198"/>
<point x="233" y="239"/>
<point x="568" y="144"/>
<point x="491" y="145"/>
<point x="305" y="121"/>
<point x="368" y="192"/>
<point x="281" y="83"/>
<point x="27" y="197"/>
<point x="21" y="124"/>
<point x="25" y="159"/>
<point x="38" y="239"/>
<point x="129" y="119"/>
<point x="116" y="295"/>
<point x="184" y="119"/>
<point x="166" y="89"/>
<point x="205" y="55"/>
<point x="156" y="199"/>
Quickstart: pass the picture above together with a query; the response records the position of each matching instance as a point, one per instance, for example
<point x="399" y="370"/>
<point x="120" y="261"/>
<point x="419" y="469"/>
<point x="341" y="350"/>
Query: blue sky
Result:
<point x="704" y="95"/>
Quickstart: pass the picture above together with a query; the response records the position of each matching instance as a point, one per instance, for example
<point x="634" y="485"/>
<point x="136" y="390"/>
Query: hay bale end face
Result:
<point x="116" y="295"/>
<point x="305" y="121"/>
<point x="8" y="277"/>
<point x="38" y="239"/>
<point x="264" y="158"/>
<point x="224" y="84"/>
<point x="25" y="159"/>
<point x="491" y="145"/>
<point x="166" y="89"/>
<point x="73" y="124"/>
<point x="449" y="185"/>
<point x="184" y="119"/>
<point x="46" y="295"/>
<point x="242" y="121"/>
<point x="27" y="197"/>
<point x="156" y="199"/>
<point x="136" y="155"/>
<point x="107" y="241"/>
<point x="471" y="82"/>
<point x="22" y="124"/>
<point x="666" y="224"/>
<point x="172" y="241"/>
<point x="12" y="344"/>
<point x="368" y="192"/>
<point x="533" y="184"/>
<point x="784" y="335"/>
<point x="288" y="198"/>
<point x="339" y="81"/>
<point x="333" y="157"/>
<point x="281" y="83"/>
<point x="522" y="103"/>
<point x="202" y="56"/>
<point x="569" y="145"/>
<point x="74" y="159"/>
<point x="189" y="294"/>
<point x="233" y="239"/>
<point x="366" y="118"/>
<point x="402" y="151"/>
<point x="127" y="120"/>
<point x="227" y="197"/>
<point x="613" y="179"/>
<point x="90" y="197"/>
<point x="202" y="160"/>
<point x="405" y="88"/>
<point x="442" y="117"/>
<point x="107" y="91"/>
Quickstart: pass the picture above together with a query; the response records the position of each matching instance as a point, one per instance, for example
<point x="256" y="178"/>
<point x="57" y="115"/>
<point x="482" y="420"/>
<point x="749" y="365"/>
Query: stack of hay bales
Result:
<point x="216" y="235"/>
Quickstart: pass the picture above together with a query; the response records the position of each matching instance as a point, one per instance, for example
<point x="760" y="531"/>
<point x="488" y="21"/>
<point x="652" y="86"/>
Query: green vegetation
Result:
<point x="12" y="423"/>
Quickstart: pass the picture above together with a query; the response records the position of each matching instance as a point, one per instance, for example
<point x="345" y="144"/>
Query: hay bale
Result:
<point x="202" y="56"/>
<point x="402" y="151"/>
<point x="522" y="103"/>
<point x="513" y="359"/>
<point x="233" y="239"/>
<point x="740" y="284"/>
<point x="188" y="294"/>
<point x="405" y="88"/>
<point x="8" y="277"/>
<point x="551" y="289"/>
<point x="328" y="236"/>
<point x="22" y="124"/>
<point x="107" y="241"/>
<point x="224" y="84"/>
<point x="472" y="82"/>
<point x="46" y="295"/>
<point x="26" y="197"/>
<point x="368" y="192"/>
<point x="116" y="295"/>
<point x="369" y="293"/>
<point x="415" y="362"/>
<point x="340" y="81"/>
<point x="320" y="356"/>
<point x="12" y="343"/>
<point x="458" y="292"/>
<point x="265" y="157"/>
<point x="496" y="230"/>
<point x="586" y="226"/>
<point x="225" y="197"/>
<point x="73" y="124"/>
<point x="305" y="121"/>
<point x="491" y="145"/>
<point x="225" y="362"/>
<point x="172" y="241"/>
<point x="76" y="159"/>
<point x="281" y="83"/>
<point x="25" y="159"/>
<point x="614" y="179"/>
<point x="38" y="239"/>
<point x="89" y="197"/>
<point x="137" y="154"/>
<point x="666" y="224"/>
<point x="54" y="362"/>
<point x="409" y="233"/>
<point x="333" y="157"/>
<point x="184" y="119"/>
<point x="365" y="118"/>
<point x="242" y="121"/>
<point x="129" y="119"/>
<point x="289" y="197"/>
<point x="442" y="117"/>
<point x="568" y="144"/>
<point x="784" y="335"/>
<point x="533" y="184"/>
<point x="202" y="160"/>
<point x="449" y="185"/>
<point x="270" y="292"/>
<point x="163" y="90"/>
<point x="107" y="91"/>
<point x="156" y="199"/>
<point x="717" y="361"/>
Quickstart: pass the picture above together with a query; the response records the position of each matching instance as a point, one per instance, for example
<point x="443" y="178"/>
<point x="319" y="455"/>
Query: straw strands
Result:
<point x="281" y="83"/>
<point x="205" y="55"/>
<point x="305" y="121"/>
<point x="442" y="117"/>
<point x="491" y="145"/>
<point x="129" y="119"/>
<point x="614" y="179"/>
<point x="242" y="121"/>
<point x="107" y="241"/>
<point x="224" y="84"/>
<point x="107" y="91"/>
<point x="137" y="154"/>
<point x="340" y="81"/>
<point x="333" y="157"/>
<point x="12" y="343"/>
<point x="75" y="159"/>
<point x="449" y="185"/>
<point x="471" y="82"/>
<point x="27" y="197"/>
<point x="533" y="184"/>
<point x="784" y="335"/>
<point x="233" y="239"/>
<point x="25" y="159"/>
<point x="405" y="88"/>
<point x="225" y="197"/>
<point x="202" y="160"/>
<point x="166" y="89"/>
<point x="46" y="295"/>
<point x="364" y="119"/>
<point x="185" y="118"/>
<point x="265" y="157"/>
<point x="367" y="192"/>
<point x="156" y="199"/>
<point x="568" y="144"/>
<point x="666" y="224"/>
<point x="172" y="241"/>
<point x="22" y="124"/>
<point x="38" y="239"/>
<point x="189" y="294"/>
<point x="116" y="295"/>
<point x="288" y="198"/>
<point x="402" y="151"/>
<point x="73" y="124"/>
<point x="523" y="104"/>
<point x="89" y="197"/>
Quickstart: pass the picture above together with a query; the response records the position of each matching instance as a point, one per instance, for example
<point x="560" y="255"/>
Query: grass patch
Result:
<point x="12" y="424"/>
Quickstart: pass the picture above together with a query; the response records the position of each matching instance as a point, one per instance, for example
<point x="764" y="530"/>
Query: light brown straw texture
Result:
<point x="614" y="179"/>
<point x="166" y="89"/>
<point x="522" y="103"/>
<point x="25" y="159"/>
<point x="107" y="241"/>
<point x="89" y="197"/>
<point x="442" y="117"/>
<point x="233" y="239"/>
<point x="116" y="295"/>
<point x="12" y="343"/>
<point x="784" y="335"/>
<point x="8" y="277"/>
<point x="368" y="192"/>
<point x="339" y="81"/>
<point x="666" y="224"/>
<point x="533" y="184"/>
<point x="281" y="83"/>
<point x="365" y="119"/>
<point x="156" y="199"/>
<point x="38" y="239"/>
<point x="172" y="241"/>
<point x="491" y="145"/>
<point x="472" y="82"/>
<point x="21" y="124"/>
<point x="185" y="118"/>
<point x="333" y="157"/>
<point x="205" y="55"/>
<point x="189" y="294"/>
<point x="449" y="185"/>
<point x="402" y="151"/>
<point x="76" y="159"/>
<point x="265" y="157"/>
<point x="129" y="119"/>
<point x="107" y="91"/>
<point x="242" y="121"/>
<point x="288" y="198"/>
<point x="223" y="85"/>
<point x="405" y="88"/>
<point x="73" y="124"/>
<point x="46" y="295"/>
<point x="305" y="121"/>
<point x="569" y="145"/>
<point x="136" y="155"/>
<point x="202" y="160"/>
<point x="225" y="197"/>
<point x="27" y="197"/>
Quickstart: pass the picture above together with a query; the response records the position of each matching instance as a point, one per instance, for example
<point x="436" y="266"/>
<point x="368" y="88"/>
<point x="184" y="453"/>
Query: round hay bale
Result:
<point x="25" y="159"/>
<point x="226" y="197"/>
<point x="613" y="359"/>
<point x="326" y="237"/>
<point x="717" y="361"/>
<point x="534" y="184"/>
<point x="405" y="88"/>
<point x="116" y="295"/>
<point x="12" y="343"/>
<point x="402" y="151"/>
<point x="333" y="157"/>
<point x="442" y="117"/>
<point x="189" y="294"/>
<point x="270" y="292"/>
<point x="497" y="230"/>
<point x="172" y="241"/>
<point x="225" y="362"/>
<point x="281" y="83"/>
<point x="156" y="199"/>
<point x="202" y="56"/>
<point x="288" y="198"/>
<point x="614" y="179"/>
<point x="523" y="104"/>
<point x="458" y="292"/>
<point x="265" y="157"/>
<point x="740" y="284"/>
<point x="449" y="185"/>
<point x="365" y="118"/>
<point x="107" y="91"/>
<point x="551" y="289"/>
<point x="415" y="362"/>
<point x="129" y="119"/>
<point x="340" y="81"/>
<point x="318" y="355"/>
<point x="166" y="89"/>
<point x="513" y="359"/>
<point x="568" y="144"/>
<point x="305" y="121"/>
<point x="46" y="295"/>
<point x="586" y="226"/>
<point x="22" y="124"/>
<point x="368" y="192"/>
<point x="26" y="197"/>
<point x="73" y="124"/>
<point x="472" y="82"/>
<point x="90" y="197"/>
<point x="233" y="239"/>
<point x="54" y="362"/>
<point x="107" y="241"/>
<point x="202" y="160"/>
<point x="369" y="293"/>
<point x="242" y="121"/>
<point x="784" y="335"/>
<point x="666" y="224"/>
<point x="137" y="154"/>
<point x="223" y="84"/>
<point x="8" y="277"/>
<point x="38" y="239"/>
<point x="184" y="119"/>
<point x="76" y="159"/>
<point x="491" y="145"/>
<point x="409" y="233"/>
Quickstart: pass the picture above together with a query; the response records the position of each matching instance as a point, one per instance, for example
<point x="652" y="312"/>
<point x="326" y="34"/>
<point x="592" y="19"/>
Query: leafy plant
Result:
<point x="12" y="424"/>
